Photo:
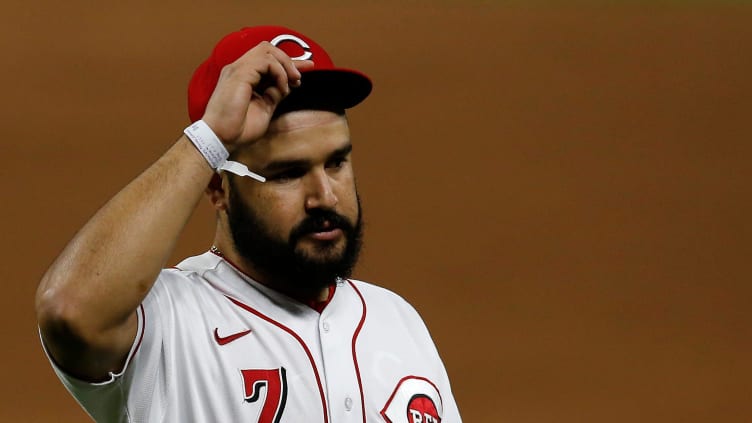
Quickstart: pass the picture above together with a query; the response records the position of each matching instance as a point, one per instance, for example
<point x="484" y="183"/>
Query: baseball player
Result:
<point x="265" y="326"/>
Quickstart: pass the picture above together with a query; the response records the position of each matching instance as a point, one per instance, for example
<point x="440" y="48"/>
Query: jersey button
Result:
<point x="348" y="404"/>
<point x="325" y="326"/>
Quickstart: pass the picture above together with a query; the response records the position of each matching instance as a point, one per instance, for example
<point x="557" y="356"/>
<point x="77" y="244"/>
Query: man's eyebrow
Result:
<point x="290" y="164"/>
<point x="341" y="152"/>
<point x="284" y="164"/>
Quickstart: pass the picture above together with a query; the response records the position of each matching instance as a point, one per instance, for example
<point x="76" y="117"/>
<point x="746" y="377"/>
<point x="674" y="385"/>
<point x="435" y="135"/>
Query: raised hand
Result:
<point x="248" y="91"/>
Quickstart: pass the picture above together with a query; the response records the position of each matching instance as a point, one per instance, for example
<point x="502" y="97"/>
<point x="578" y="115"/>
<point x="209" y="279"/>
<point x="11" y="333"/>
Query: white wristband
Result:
<point x="207" y="143"/>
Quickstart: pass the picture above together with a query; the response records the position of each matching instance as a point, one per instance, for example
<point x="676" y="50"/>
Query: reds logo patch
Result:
<point x="415" y="400"/>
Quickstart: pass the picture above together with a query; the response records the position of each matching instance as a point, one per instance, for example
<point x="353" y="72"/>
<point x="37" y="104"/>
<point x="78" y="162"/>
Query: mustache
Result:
<point x="319" y="221"/>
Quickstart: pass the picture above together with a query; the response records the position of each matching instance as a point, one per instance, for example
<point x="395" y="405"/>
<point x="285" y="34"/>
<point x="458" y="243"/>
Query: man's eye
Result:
<point x="336" y="163"/>
<point x="287" y="175"/>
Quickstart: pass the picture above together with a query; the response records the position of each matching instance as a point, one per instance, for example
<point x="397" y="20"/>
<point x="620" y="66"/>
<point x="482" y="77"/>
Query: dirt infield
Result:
<point x="562" y="192"/>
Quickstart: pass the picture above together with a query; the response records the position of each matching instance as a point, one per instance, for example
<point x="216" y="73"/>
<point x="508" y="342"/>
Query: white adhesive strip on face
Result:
<point x="240" y="169"/>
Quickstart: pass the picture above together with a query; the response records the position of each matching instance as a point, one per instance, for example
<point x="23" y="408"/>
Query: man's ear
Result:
<point x="217" y="193"/>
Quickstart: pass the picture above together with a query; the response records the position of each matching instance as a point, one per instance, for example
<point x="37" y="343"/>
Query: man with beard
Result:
<point x="294" y="272"/>
<point x="264" y="327"/>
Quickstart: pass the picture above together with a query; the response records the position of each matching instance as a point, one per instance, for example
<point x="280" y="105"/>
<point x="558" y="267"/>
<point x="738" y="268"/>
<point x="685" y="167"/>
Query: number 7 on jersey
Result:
<point x="275" y="383"/>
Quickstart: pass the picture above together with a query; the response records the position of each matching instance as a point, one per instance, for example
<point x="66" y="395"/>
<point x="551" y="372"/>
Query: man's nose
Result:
<point x="319" y="191"/>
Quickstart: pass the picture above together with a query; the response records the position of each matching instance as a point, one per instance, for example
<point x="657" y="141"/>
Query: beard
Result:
<point x="280" y="262"/>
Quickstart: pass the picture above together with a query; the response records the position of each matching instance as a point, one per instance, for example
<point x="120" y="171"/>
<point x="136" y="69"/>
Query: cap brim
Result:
<point x="327" y="89"/>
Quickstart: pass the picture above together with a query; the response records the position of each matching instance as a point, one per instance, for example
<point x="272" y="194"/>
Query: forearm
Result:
<point x="104" y="273"/>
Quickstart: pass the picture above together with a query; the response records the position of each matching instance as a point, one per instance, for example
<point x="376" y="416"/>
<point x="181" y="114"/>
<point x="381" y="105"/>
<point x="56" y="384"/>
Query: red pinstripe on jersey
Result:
<point x="355" y="354"/>
<point x="141" y="337"/>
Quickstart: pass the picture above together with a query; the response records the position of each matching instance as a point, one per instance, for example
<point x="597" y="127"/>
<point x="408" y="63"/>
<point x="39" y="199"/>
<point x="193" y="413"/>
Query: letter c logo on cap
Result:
<point x="288" y="37"/>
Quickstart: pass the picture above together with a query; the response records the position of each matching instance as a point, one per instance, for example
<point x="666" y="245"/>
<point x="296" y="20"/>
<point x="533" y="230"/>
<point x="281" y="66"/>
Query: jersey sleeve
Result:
<point x="391" y="315"/>
<point x="451" y="411"/>
<point x="103" y="401"/>
<point x="117" y="399"/>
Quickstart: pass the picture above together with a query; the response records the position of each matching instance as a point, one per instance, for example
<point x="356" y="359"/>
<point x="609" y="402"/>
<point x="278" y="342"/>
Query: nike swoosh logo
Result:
<point x="222" y="340"/>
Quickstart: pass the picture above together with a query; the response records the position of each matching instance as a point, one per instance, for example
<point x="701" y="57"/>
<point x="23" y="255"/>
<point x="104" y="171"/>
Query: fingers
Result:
<point x="301" y="65"/>
<point x="273" y="86"/>
<point x="249" y="90"/>
<point x="280" y="70"/>
<point x="287" y="75"/>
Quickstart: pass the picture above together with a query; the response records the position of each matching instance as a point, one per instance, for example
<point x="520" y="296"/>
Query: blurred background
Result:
<point x="562" y="189"/>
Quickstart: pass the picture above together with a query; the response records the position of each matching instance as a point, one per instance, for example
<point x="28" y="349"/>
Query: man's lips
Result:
<point x="326" y="235"/>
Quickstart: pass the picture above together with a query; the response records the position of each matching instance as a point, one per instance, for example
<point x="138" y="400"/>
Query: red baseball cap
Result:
<point x="324" y="86"/>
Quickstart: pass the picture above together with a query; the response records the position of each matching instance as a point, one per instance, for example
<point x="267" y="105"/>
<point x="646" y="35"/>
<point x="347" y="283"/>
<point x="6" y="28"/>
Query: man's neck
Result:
<point x="288" y="288"/>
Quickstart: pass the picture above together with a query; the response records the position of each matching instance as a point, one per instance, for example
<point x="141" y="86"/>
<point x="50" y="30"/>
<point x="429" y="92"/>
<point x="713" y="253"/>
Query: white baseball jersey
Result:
<point x="215" y="346"/>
